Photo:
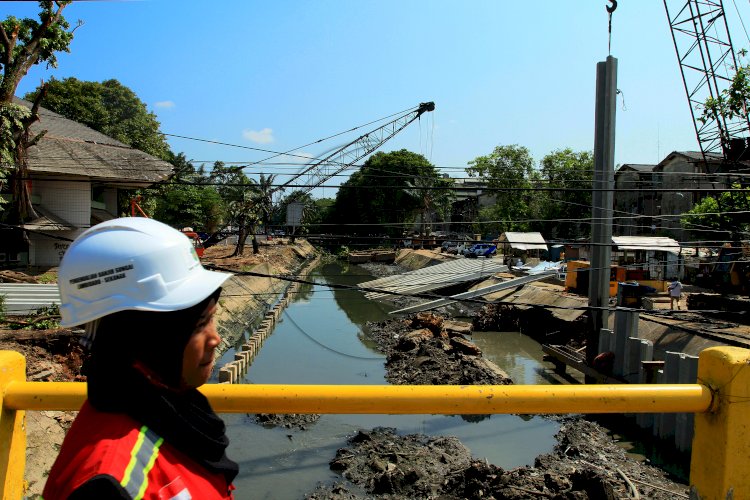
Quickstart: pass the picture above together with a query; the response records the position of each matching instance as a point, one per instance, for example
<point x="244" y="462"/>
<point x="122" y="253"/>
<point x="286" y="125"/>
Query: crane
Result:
<point x="706" y="56"/>
<point x="344" y="157"/>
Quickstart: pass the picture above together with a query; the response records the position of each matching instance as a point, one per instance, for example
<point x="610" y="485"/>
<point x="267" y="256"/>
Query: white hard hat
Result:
<point x="132" y="263"/>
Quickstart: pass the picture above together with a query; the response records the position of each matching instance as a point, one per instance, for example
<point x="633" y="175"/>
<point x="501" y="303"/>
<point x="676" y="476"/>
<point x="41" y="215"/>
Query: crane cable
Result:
<point x="610" y="10"/>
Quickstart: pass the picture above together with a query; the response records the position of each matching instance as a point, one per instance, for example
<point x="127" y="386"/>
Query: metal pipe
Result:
<point x="403" y="399"/>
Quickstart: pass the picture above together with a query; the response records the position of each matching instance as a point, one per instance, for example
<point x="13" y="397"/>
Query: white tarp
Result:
<point x="654" y="243"/>
<point x="523" y="241"/>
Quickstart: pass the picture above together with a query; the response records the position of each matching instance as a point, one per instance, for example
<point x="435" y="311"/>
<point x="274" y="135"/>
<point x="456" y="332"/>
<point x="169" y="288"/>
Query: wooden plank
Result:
<point x="573" y="359"/>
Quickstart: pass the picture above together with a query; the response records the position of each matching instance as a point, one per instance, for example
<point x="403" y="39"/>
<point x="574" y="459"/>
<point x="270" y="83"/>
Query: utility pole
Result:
<point x="601" y="202"/>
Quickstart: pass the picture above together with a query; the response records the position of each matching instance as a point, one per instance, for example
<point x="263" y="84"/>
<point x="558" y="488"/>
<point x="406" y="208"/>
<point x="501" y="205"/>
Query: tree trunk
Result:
<point x="255" y="245"/>
<point x="241" y="237"/>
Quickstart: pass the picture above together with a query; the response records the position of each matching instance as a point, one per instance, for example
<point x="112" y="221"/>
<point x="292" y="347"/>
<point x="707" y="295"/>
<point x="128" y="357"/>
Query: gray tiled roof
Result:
<point x="639" y="167"/>
<point x="72" y="148"/>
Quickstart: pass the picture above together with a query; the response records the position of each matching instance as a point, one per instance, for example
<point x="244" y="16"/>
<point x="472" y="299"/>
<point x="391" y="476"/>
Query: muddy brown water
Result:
<point x="319" y="340"/>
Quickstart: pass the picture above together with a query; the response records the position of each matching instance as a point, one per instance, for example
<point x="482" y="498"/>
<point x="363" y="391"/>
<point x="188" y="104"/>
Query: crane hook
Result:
<point x="611" y="8"/>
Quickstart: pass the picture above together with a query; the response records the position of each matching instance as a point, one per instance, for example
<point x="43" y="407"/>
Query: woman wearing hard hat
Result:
<point x="148" y="308"/>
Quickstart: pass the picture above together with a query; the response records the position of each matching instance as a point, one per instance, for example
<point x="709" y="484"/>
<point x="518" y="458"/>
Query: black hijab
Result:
<point x="136" y="369"/>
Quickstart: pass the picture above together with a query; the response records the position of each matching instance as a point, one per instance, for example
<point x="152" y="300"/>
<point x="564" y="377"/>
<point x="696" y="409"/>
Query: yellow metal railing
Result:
<point x="720" y="456"/>
<point x="402" y="399"/>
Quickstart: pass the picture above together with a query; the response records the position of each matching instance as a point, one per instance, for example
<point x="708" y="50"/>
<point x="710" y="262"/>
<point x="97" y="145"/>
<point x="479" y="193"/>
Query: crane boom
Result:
<point x="704" y="51"/>
<point x="344" y="157"/>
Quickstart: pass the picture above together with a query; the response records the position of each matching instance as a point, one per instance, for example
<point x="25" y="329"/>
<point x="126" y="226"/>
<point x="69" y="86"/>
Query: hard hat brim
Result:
<point x="200" y="284"/>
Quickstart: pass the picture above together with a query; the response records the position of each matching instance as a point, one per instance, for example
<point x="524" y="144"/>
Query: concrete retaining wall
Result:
<point x="261" y="321"/>
<point x="679" y="368"/>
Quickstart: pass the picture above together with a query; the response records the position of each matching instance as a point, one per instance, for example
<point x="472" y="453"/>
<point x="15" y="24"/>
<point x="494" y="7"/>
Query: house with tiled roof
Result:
<point x="75" y="176"/>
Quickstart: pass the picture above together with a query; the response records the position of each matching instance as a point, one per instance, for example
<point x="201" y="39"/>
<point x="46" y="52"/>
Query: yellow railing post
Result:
<point x="12" y="429"/>
<point x="720" y="463"/>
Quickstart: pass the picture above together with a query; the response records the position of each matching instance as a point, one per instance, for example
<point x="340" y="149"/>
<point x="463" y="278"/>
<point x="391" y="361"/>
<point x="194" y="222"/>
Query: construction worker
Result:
<point x="148" y="307"/>
<point x="675" y="292"/>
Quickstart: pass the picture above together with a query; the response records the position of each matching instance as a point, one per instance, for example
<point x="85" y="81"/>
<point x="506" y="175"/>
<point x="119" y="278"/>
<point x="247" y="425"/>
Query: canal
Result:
<point x="321" y="339"/>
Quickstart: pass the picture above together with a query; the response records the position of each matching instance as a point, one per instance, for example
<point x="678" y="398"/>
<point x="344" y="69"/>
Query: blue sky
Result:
<point x="277" y="75"/>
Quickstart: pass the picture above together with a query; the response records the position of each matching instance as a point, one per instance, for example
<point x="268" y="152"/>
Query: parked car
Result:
<point x="447" y="244"/>
<point x="455" y="248"/>
<point x="480" y="250"/>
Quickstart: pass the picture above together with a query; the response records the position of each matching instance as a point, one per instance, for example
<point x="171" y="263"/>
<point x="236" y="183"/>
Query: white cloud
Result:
<point x="258" y="136"/>
<point x="297" y="157"/>
<point x="164" y="104"/>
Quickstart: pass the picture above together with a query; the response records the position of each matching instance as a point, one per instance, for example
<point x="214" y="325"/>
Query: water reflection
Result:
<point x="318" y="340"/>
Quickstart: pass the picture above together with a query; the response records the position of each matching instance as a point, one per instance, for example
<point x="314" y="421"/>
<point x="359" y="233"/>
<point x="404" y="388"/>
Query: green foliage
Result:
<point x="187" y="200"/>
<point x="53" y="28"/>
<point x="45" y="318"/>
<point x="727" y="213"/>
<point x="432" y="194"/>
<point x="505" y="170"/>
<point x="2" y="307"/>
<point x="732" y="102"/>
<point x="565" y="171"/>
<point x="264" y="199"/>
<point x="239" y="194"/>
<point x="11" y="121"/>
<point x="108" y="107"/>
<point x="26" y="42"/>
<point x="377" y="194"/>
<point x="310" y="212"/>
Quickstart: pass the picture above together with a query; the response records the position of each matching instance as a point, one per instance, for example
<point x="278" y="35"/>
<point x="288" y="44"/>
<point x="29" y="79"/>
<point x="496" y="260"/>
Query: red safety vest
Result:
<point x="145" y="465"/>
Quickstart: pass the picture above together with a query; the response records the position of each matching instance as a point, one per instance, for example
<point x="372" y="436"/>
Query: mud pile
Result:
<point x="586" y="464"/>
<point x="427" y="349"/>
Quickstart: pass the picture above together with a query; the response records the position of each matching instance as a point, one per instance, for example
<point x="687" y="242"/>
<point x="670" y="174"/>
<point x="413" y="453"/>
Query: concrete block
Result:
<point x="606" y="340"/>
<point x="672" y="362"/>
<point x="688" y="374"/>
<point x="632" y="369"/>
<point x="225" y="375"/>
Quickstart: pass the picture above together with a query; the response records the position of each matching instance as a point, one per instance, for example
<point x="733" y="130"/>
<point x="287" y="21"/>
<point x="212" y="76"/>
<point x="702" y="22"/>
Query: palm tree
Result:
<point x="264" y="199"/>
<point x="432" y="196"/>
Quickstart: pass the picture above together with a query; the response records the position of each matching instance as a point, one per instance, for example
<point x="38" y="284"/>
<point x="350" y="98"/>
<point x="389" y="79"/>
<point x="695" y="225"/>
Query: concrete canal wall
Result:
<point x="254" y="305"/>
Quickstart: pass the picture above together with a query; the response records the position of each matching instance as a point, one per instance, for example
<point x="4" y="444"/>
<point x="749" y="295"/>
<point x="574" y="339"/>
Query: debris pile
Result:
<point x="427" y="349"/>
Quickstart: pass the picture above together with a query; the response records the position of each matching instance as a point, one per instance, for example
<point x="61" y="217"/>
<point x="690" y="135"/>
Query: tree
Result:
<point x="239" y="193"/>
<point x="264" y="199"/>
<point x="309" y="208"/>
<point x="728" y="214"/>
<point x="375" y="199"/>
<point x="433" y="195"/>
<point x="24" y="43"/>
<point x="566" y="172"/>
<point x="108" y="107"/>
<point x="188" y="199"/>
<point x="505" y="170"/>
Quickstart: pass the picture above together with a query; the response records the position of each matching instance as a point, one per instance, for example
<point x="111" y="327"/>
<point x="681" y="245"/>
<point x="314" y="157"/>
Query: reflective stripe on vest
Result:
<point x="142" y="458"/>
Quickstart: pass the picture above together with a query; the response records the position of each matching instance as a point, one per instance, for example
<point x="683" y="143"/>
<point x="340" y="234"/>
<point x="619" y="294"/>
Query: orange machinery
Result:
<point x="577" y="277"/>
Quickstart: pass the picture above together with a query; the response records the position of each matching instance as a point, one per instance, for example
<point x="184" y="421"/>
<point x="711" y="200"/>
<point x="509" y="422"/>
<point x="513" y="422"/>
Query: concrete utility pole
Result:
<point x="601" y="201"/>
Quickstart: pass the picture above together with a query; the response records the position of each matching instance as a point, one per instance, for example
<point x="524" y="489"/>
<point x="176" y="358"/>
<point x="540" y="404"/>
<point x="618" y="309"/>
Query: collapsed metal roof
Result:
<point x="433" y="277"/>
<point x="524" y="241"/>
<point x="656" y="243"/>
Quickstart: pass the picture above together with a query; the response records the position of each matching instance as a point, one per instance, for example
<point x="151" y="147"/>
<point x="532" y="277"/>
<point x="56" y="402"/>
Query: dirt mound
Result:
<point x="287" y="420"/>
<point x="427" y="350"/>
<point x="586" y="464"/>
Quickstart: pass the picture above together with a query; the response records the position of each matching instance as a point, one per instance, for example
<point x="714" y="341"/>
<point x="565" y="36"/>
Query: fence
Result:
<point x="720" y="458"/>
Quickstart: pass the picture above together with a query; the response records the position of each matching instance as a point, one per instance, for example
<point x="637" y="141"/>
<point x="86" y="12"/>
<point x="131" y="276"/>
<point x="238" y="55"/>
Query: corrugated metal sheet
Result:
<point x="657" y="243"/>
<point x="26" y="298"/>
<point x="524" y="241"/>
<point x="479" y="292"/>
<point x="434" y="277"/>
